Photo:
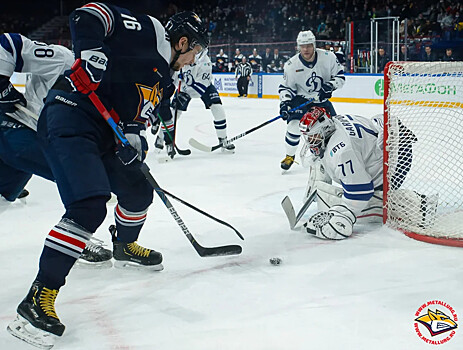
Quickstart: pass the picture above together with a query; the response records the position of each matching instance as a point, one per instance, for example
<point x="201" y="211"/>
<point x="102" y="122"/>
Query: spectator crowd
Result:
<point x="232" y="23"/>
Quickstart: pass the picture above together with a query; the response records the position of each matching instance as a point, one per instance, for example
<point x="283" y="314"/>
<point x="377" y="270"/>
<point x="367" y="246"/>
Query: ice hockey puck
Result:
<point x="275" y="261"/>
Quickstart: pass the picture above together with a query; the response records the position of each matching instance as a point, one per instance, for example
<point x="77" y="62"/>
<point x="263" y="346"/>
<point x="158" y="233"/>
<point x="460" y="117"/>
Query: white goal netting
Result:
<point x="424" y="150"/>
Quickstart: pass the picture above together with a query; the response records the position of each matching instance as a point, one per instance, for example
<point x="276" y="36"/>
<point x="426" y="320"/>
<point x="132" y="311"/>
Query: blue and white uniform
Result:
<point x="302" y="81"/>
<point x="353" y="158"/>
<point x="20" y="154"/>
<point x="42" y="64"/>
<point x="196" y="82"/>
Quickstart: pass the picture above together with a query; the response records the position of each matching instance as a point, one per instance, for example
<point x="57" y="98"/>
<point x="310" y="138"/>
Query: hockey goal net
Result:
<point x="423" y="150"/>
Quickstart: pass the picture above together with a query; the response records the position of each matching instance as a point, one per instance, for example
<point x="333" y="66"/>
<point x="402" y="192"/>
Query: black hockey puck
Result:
<point x="275" y="261"/>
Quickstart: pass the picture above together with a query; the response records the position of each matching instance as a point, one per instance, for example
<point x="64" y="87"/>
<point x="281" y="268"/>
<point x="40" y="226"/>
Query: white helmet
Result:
<point x="304" y="38"/>
<point x="316" y="127"/>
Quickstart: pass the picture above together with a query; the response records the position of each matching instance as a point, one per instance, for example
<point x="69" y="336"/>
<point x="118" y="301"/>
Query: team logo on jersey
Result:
<point x="440" y="323"/>
<point x="314" y="82"/>
<point x="150" y="97"/>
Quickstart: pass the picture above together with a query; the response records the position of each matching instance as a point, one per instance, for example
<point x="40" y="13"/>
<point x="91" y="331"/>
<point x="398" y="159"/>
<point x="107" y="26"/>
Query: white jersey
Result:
<point x="306" y="78"/>
<point x="43" y="64"/>
<point x="196" y="77"/>
<point x="353" y="158"/>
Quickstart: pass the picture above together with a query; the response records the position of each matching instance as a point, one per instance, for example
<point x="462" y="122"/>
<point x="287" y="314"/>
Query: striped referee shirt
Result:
<point x="243" y="69"/>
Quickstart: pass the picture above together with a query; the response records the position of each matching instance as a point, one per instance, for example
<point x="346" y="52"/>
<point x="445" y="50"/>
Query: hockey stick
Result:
<point x="202" y="251"/>
<point x="202" y="147"/>
<point x="27" y="111"/>
<point x="183" y="152"/>
<point x="176" y="111"/>
<point x="291" y="214"/>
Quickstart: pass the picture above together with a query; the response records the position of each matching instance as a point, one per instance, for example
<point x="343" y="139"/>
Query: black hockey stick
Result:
<point x="202" y="251"/>
<point x="202" y="147"/>
<point x="289" y="209"/>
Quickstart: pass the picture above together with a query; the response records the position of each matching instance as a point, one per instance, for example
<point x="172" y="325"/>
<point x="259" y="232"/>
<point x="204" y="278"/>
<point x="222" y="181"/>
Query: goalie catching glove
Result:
<point x="335" y="224"/>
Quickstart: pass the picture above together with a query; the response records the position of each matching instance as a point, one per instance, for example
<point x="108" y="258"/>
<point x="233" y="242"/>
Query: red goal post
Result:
<point x="423" y="150"/>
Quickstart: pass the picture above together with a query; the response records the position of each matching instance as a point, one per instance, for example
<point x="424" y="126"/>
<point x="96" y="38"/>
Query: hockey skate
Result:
<point x="159" y="144"/>
<point x="37" y="322"/>
<point x="24" y="193"/>
<point x="170" y="150"/>
<point x="94" y="255"/>
<point x="287" y="162"/>
<point x="133" y="255"/>
<point x="229" y="148"/>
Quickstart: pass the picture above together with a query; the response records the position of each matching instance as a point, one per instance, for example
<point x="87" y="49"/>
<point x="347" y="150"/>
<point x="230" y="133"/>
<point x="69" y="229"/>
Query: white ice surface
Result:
<point x="361" y="293"/>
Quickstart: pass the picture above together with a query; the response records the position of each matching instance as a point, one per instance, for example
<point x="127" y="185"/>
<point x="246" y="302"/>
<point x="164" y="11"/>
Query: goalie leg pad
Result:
<point x="317" y="173"/>
<point x="335" y="224"/>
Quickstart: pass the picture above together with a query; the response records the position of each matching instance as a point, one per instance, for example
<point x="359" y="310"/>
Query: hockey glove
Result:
<point x="87" y="71"/>
<point x="9" y="96"/>
<point x="288" y="114"/>
<point x="335" y="224"/>
<point x="136" y="135"/>
<point x="325" y="92"/>
<point x="181" y="101"/>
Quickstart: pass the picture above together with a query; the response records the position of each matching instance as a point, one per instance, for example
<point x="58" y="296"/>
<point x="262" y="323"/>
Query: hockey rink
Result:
<point x="358" y="294"/>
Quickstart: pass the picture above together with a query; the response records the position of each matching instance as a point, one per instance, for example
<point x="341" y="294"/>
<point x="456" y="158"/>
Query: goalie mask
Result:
<point x="316" y="127"/>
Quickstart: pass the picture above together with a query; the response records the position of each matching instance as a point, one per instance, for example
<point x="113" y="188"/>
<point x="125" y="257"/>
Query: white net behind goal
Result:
<point x="424" y="150"/>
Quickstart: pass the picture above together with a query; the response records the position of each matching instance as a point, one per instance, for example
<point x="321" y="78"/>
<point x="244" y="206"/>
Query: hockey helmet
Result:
<point x="188" y="24"/>
<point x="305" y="37"/>
<point x="316" y="127"/>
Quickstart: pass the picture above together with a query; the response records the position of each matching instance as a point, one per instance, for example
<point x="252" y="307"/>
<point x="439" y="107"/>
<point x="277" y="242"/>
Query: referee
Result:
<point x="243" y="74"/>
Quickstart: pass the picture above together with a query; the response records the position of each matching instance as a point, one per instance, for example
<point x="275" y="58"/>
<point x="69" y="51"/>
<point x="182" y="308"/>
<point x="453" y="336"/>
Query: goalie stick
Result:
<point x="202" y="147"/>
<point x="291" y="214"/>
<point x="202" y="251"/>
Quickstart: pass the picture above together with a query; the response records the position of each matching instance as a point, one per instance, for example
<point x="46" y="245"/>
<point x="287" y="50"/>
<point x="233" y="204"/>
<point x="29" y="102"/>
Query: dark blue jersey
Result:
<point x="137" y="76"/>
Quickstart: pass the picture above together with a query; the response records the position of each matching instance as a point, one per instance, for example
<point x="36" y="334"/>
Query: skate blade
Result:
<point x="228" y="151"/>
<point x="25" y="331"/>
<point x="81" y="263"/>
<point x="119" y="264"/>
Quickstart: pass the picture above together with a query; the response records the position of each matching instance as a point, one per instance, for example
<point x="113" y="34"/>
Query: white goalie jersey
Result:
<point x="353" y="158"/>
<point x="43" y="64"/>
<point x="306" y="78"/>
<point x="196" y="77"/>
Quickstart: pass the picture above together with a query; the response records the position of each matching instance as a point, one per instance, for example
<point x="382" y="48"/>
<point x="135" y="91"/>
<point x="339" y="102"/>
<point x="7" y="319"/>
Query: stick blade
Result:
<point x="199" y="146"/>
<point x="183" y="152"/>
<point x="217" y="251"/>
<point x="289" y="211"/>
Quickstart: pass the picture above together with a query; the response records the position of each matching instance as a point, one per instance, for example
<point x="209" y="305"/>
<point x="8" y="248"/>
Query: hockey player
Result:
<point x="348" y="150"/>
<point x="20" y="153"/>
<point x="310" y="74"/>
<point x="125" y="58"/>
<point x="195" y="82"/>
<point x="256" y="61"/>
